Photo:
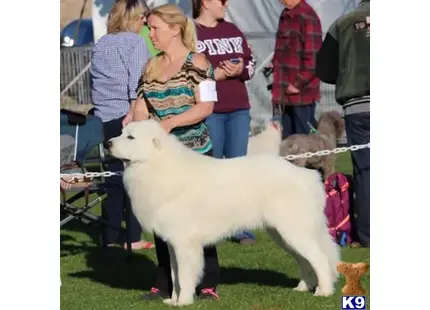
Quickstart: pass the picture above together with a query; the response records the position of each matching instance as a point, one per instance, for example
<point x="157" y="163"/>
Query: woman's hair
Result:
<point x="124" y="15"/>
<point x="197" y="6"/>
<point x="172" y="15"/>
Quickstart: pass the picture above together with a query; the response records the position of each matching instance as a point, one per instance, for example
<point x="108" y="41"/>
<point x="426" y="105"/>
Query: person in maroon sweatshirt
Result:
<point x="227" y="50"/>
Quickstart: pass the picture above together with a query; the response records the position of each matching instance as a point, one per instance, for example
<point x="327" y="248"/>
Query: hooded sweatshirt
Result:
<point x="223" y="42"/>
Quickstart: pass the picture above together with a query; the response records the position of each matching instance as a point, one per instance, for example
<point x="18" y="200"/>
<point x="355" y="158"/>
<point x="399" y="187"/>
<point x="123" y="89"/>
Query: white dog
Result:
<point x="191" y="200"/>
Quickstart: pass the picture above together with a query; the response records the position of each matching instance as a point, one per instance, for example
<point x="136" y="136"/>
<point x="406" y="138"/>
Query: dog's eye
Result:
<point x="130" y="137"/>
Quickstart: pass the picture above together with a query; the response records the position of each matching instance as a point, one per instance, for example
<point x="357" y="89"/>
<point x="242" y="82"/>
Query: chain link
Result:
<point x="90" y="175"/>
<point x="328" y="152"/>
<point x="108" y="174"/>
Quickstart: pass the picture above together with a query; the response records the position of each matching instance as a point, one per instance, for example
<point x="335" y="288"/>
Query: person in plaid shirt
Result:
<point x="295" y="90"/>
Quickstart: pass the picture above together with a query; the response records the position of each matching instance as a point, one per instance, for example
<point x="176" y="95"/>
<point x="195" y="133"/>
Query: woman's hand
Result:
<point x="292" y="90"/>
<point x="219" y="74"/>
<point x="230" y="69"/>
<point x="167" y="124"/>
<point x="127" y="119"/>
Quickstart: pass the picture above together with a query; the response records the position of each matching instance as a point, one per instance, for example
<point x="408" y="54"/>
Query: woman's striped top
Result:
<point x="176" y="96"/>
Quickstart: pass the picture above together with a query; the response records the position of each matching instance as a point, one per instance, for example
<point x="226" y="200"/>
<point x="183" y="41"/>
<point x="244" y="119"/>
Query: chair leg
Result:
<point x="102" y="160"/>
<point x="127" y="216"/>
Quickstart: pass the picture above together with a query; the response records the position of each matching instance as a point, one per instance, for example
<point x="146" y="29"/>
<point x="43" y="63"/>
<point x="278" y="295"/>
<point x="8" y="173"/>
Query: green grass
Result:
<point x="257" y="277"/>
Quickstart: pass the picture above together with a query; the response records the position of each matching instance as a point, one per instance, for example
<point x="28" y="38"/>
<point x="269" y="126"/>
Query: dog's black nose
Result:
<point x="108" y="144"/>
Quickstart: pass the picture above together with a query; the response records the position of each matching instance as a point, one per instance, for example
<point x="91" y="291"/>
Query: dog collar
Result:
<point x="313" y="130"/>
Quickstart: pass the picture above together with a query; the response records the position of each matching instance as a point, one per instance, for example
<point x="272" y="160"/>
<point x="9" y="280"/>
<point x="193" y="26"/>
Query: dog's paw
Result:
<point x="184" y="302"/>
<point x="324" y="292"/>
<point x="170" y="302"/>
<point x="301" y="287"/>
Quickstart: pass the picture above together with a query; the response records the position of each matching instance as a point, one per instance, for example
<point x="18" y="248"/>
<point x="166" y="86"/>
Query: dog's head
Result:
<point x="336" y="119"/>
<point x="139" y="142"/>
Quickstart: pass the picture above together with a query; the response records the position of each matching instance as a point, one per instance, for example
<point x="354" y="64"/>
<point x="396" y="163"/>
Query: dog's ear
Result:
<point x="340" y="125"/>
<point x="158" y="144"/>
<point x="341" y="128"/>
<point x="338" y="122"/>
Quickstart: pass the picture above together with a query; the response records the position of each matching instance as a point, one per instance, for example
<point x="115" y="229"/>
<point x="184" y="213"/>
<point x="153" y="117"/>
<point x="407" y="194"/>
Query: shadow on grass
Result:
<point x="113" y="267"/>
<point x="109" y="268"/>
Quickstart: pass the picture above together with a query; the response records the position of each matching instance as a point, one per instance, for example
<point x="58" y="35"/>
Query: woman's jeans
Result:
<point x="229" y="134"/>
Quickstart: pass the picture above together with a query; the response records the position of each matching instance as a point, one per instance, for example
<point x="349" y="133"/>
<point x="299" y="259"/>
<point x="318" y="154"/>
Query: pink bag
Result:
<point x="337" y="208"/>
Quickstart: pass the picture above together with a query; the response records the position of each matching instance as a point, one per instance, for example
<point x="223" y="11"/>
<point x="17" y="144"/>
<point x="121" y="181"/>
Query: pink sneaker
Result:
<point x="209" y="293"/>
<point x="155" y="294"/>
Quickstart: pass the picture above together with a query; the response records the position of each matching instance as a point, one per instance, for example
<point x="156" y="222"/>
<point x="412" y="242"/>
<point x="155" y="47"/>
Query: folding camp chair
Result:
<point x="88" y="153"/>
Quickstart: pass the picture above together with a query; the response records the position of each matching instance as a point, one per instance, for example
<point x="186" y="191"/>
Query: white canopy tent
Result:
<point x="258" y="19"/>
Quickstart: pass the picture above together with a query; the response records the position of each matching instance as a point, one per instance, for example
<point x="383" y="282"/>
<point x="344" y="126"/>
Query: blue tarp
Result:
<point x="90" y="134"/>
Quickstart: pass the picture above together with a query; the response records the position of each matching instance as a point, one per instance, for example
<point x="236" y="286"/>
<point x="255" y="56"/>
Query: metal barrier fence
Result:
<point x="72" y="61"/>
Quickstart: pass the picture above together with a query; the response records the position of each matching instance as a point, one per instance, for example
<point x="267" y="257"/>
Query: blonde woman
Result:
<point x="117" y="62"/>
<point x="177" y="88"/>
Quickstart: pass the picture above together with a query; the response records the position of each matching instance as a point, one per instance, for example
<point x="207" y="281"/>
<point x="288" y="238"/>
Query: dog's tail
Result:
<point x="268" y="141"/>
<point x="337" y="120"/>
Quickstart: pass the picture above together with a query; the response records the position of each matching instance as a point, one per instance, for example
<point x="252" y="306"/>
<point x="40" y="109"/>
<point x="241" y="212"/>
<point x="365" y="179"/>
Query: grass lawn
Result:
<point x="257" y="277"/>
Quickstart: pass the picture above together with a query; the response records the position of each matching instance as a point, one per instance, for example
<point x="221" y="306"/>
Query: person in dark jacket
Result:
<point x="344" y="60"/>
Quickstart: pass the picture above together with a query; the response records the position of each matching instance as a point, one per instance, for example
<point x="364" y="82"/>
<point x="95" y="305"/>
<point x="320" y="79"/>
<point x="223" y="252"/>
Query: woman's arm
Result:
<point x="248" y="60"/>
<point x="140" y="111"/>
<point x="194" y="115"/>
<point x="220" y="74"/>
<point x="245" y="69"/>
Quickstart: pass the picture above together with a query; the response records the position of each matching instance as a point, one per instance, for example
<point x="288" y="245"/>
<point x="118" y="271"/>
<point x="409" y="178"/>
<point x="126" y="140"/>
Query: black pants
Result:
<point x="295" y="120"/>
<point x="117" y="199"/>
<point x="357" y="128"/>
<point x="211" y="275"/>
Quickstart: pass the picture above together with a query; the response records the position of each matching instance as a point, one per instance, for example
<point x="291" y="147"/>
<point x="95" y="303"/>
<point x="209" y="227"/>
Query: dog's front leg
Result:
<point x="174" y="271"/>
<point x="190" y="263"/>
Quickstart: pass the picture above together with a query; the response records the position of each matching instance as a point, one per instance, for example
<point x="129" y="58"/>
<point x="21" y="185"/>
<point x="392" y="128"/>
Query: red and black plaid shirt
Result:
<point x="298" y="40"/>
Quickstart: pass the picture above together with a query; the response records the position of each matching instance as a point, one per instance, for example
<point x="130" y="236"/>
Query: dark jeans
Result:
<point x="229" y="134"/>
<point x="211" y="275"/>
<point x="117" y="200"/>
<point x="357" y="128"/>
<point x="295" y="120"/>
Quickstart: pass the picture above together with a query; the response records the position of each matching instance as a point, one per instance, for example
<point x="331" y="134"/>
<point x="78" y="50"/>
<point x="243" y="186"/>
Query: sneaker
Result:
<point x="139" y="245"/>
<point x="357" y="245"/>
<point x="155" y="294"/>
<point x="245" y="237"/>
<point x="209" y="293"/>
<point x="247" y="241"/>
